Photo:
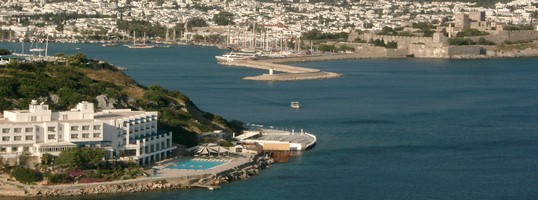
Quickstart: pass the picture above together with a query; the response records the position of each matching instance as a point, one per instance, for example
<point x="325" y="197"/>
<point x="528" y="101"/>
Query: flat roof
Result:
<point x="117" y="115"/>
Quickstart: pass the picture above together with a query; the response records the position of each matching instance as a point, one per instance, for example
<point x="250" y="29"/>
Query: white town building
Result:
<point x="124" y="134"/>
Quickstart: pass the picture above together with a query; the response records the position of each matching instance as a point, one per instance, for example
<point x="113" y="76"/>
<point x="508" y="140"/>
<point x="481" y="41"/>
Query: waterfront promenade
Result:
<point x="164" y="178"/>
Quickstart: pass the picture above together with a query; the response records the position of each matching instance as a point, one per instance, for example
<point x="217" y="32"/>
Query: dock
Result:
<point x="286" y="72"/>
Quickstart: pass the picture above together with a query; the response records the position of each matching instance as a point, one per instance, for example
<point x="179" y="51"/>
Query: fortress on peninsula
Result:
<point x="438" y="45"/>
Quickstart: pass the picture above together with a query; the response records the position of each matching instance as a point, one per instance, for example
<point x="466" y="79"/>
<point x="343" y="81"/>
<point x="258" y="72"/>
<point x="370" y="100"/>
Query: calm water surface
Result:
<point x="388" y="129"/>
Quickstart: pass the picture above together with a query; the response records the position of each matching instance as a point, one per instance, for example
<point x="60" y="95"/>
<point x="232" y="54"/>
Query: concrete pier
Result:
<point x="288" y="73"/>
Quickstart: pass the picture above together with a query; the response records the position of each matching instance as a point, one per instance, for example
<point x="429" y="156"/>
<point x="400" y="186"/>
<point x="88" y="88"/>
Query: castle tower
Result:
<point x="461" y="21"/>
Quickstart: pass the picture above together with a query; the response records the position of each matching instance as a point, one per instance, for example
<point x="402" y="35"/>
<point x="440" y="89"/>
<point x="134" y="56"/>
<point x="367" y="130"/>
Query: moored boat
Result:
<point x="233" y="56"/>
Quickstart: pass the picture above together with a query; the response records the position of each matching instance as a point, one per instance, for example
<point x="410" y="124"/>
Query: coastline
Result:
<point x="165" y="179"/>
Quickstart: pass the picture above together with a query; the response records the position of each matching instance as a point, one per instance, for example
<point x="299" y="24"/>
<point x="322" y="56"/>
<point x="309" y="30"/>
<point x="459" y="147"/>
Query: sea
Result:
<point x="387" y="129"/>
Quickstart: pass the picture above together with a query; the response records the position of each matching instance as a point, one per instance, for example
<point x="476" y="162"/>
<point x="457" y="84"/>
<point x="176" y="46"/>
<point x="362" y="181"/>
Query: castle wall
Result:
<point x="512" y="36"/>
<point x="424" y="51"/>
<point x="468" y="50"/>
<point x="404" y="42"/>
<point x="396" y="53"/>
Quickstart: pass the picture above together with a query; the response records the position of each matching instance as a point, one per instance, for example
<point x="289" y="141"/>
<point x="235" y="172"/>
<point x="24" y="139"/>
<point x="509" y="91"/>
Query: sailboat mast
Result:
<point x="47" y="46"/>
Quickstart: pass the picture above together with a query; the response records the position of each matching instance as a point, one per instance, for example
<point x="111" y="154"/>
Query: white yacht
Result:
<point x="233" y="56"/>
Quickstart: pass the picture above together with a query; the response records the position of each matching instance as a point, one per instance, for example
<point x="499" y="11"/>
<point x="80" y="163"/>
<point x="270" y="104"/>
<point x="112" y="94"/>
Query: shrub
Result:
<point x="483" y="41"/>
<point x="392" y="45"/>
<point x="471" y="32"/>
<point x="460" y="41"/>
<point x="25" y="175"/>
<point x="59" y="178"/>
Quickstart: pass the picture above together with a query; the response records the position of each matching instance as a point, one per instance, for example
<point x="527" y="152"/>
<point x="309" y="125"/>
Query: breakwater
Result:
<point x="287" y="72"/>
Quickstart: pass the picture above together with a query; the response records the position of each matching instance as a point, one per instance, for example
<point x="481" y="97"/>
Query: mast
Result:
<point x="167" y="36"/>
<point x="254" y="36"/>
<point x="47" y="46"/>
<point x="134" y="38"/>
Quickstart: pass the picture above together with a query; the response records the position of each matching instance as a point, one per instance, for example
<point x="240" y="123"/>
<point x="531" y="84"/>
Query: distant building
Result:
<point x="124" y="134"/>
<point x="474" y="20"/>
<point x="461" y="21"/>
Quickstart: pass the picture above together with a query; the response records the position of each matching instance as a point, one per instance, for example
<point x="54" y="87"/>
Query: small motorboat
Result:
<point x="295" y="104"/>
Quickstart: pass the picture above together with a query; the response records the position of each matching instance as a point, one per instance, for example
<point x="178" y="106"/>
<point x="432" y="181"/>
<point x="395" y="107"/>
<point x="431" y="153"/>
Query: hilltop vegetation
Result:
<point x="63" y="84"/>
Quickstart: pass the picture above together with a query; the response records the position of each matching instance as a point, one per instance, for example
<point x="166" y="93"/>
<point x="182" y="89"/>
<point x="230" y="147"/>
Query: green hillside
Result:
<point x="72" y="79"/>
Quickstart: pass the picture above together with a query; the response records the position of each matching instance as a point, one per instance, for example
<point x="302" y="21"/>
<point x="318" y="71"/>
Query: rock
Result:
<point x="103" y="102"/>
<point x="54" y="98"/>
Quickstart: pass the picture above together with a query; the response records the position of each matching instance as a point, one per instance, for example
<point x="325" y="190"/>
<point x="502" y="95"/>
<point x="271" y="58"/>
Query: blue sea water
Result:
<point x="388" y="129"/>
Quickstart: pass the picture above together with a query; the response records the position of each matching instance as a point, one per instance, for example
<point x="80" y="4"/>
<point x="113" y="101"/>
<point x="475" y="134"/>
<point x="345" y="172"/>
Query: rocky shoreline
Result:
<point x="211" y="181"/>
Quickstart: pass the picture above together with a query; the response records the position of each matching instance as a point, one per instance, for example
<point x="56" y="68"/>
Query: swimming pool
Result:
<point x="196" y="164"/>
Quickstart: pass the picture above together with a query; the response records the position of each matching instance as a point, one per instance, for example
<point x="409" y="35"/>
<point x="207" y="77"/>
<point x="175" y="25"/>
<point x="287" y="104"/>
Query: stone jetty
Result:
<point x="287" y="72"/>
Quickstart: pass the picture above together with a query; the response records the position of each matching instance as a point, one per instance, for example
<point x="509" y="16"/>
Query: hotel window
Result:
<point x="5" y="130"/>
<point x="85" y="128"/>
<point x="3" y="149"/>
<point x="5" y="138"/>
<point x="33" y="118"/>
<point x="17" y="130"/>
<point x="64" y="117"/>
<point x="29" y="130"/>
<point x="74" y="136"/>
<point x="17" y="138"/>
<point x="74" y="128"/>
<point x="29" y="137"/>
<point x="51" y="129"/>
<point x="96" y="135"/>
<point x="51" y="137"/>
<point x="97" y="127"/>
<point x="85" y="135"/>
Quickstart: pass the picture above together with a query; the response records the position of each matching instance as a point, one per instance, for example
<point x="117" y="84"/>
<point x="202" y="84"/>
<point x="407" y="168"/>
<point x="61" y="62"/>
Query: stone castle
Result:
<point x="437" y="46"/>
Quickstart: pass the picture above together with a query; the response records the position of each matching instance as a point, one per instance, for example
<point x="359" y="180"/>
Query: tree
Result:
<point x="47" y="159"/>
<point x="392" y="45"/>
<point x="379" y="43"/>
<point x="81" y="158"/>
<point x="224" y="18"/>
<point x="77" y="59"/>
<point x="24" y="158"/>
<point x="5" y="52"/>
<point x="196" y="22"/>
<point x="25" y="175"/>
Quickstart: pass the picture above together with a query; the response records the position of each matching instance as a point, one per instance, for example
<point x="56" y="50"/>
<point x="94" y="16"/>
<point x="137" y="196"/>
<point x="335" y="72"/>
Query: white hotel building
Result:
<point x="124" y="134"/>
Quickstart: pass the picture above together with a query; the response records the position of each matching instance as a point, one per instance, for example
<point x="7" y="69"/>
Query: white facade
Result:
<point x="125" y="134"/>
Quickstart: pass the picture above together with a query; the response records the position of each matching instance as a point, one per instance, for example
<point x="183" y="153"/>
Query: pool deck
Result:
<point x="233" y="162"/>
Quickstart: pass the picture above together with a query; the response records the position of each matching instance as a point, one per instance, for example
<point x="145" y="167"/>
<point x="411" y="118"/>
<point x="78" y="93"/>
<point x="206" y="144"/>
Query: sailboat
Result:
<point x="38" y="50"/>
<point x="139" y="46"/>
